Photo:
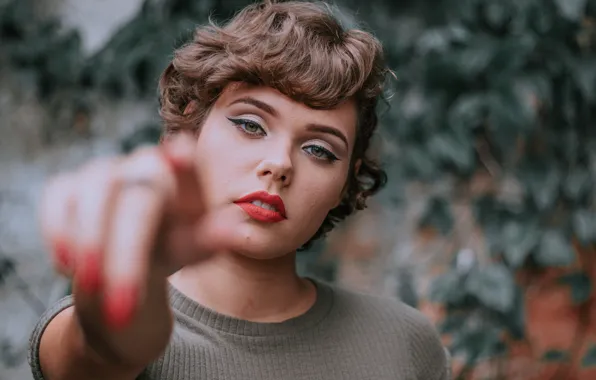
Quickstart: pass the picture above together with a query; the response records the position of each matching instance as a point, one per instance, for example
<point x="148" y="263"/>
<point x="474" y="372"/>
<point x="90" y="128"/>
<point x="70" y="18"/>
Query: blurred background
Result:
<point x="487" y="225"/>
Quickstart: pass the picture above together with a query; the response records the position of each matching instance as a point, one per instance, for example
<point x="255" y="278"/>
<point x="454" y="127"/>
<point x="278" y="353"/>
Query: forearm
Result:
<point x="77" y="343"/>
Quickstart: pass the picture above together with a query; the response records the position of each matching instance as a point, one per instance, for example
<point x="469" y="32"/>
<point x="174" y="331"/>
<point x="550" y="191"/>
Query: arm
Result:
<point x="105" y="223"/>
<point x="67" y="350"/>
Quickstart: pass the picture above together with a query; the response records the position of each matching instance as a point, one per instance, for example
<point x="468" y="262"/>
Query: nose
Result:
<point x="277" y="167"/>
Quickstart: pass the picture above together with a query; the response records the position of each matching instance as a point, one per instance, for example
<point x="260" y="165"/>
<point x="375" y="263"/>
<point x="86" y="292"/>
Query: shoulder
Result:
<point x="407" y="325"/>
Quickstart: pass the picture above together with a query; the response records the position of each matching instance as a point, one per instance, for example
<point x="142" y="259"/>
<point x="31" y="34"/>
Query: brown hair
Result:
<point x="299" y="49"/>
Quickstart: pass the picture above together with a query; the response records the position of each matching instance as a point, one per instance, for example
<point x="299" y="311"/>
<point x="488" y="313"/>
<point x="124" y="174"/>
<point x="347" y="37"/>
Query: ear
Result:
<point x="355" y="172"/>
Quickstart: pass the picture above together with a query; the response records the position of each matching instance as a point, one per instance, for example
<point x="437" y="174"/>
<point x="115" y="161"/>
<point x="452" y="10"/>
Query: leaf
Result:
<point x="581" y="286"/>
<point x="577" y="183"/>
<point x="437" y="215"/>
<point x="418" y="163"/>
<point x="447" y="288"/>
<point x="477" y="340"/>
<point x="554" y="249"/>
<point x="589" y="359"/>
<point x="447" y="148"/>
<point x="543" y="180"/>
<point x="467" y="112"/>
<point x="555" y="356"/>
<point x="474" y="59"/>
<point x="584" y="226"/>
<point x="453" y="322"/>
<point x="572" y="10"/>
<point x="493" y="285"/>
<point x="519" y="239"/>
<point x="584" y="75"/>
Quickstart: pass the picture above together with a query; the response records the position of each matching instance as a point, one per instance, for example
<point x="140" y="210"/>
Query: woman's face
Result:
<point x="255" y="139"/>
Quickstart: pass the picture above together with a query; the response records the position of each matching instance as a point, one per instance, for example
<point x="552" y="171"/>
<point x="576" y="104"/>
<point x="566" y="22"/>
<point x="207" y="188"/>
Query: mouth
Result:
<point x="263" y="206"/>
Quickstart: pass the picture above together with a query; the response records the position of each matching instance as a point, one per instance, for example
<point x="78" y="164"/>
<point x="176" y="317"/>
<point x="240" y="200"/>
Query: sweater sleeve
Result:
<point x="38" y="330"/>
<point x="430" y="359"/>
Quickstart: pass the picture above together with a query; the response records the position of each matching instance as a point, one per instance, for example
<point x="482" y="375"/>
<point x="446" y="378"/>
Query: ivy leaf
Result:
<point x="589" y="359"/>
<point x="446" y="147"/>
<point x="447" y="288"/>
<point x="438" y="215"/>
<point x="493" y="285"/>
<point x="542" y="180"/>
<point x="452" y="323"/>
<point x="467" y="112"/>
<point x="572" y="9"/>
<point x="477" y="340"/>
<point x="519" y="239"/>
<point x="555" y="356"/>
<point x="577" y="184"/>
<point x="584" y="75"/>
<point x="584" y="226"/>
<point x="581" y="286"/>
<point x="418" y="163"/>
<point x="554" y="250"/>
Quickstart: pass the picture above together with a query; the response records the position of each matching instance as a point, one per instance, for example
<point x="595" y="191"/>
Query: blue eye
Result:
<point x="248" y="126"/>
<point x="320" y="153"/>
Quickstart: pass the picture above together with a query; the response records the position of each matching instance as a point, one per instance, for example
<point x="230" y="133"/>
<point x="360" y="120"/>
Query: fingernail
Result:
<point x="89" y="273"/>
<point x="119" y="306"/>
<point x="62" y="252"/>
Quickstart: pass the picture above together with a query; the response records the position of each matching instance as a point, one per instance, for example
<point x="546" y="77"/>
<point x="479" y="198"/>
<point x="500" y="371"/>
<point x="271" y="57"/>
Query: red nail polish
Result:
<point x="62" y="252"/>
<point x="119" y="306"/>
<point x="89" y="272"/>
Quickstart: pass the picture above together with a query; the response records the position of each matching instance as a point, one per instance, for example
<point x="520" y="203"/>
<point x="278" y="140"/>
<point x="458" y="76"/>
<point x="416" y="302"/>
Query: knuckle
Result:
<point x="146" y="164"/>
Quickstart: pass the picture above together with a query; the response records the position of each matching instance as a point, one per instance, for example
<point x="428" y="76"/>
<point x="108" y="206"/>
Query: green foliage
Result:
<point x="581" y="286"/>
<point x="589" y="359"/>
<point x="555" y="356"/>
<point x="499" y="88"/>
<point x="505" y="89"/>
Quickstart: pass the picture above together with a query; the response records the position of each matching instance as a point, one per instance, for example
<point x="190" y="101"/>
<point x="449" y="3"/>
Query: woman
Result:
<point x="183" y="255"/>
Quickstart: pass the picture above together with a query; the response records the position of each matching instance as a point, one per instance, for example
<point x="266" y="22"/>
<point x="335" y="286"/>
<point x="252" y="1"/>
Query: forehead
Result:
<point x="343" y="116"/>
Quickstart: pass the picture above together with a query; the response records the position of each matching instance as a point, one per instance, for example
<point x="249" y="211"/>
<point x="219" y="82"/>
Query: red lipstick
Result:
<point x="260" y="213"/>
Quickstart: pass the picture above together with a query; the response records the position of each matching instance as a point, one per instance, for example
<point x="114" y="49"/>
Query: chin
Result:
<point x="262" y="242"/>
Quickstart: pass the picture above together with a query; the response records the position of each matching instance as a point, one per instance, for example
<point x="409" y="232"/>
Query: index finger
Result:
<point x="179" y="152"/>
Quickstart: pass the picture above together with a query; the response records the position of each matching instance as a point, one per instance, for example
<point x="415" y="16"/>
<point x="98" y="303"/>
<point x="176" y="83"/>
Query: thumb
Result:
<point x="209" y="234"/>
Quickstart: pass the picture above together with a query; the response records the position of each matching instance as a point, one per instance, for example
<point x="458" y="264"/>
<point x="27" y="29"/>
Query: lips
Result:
<point x="263" y="206"/>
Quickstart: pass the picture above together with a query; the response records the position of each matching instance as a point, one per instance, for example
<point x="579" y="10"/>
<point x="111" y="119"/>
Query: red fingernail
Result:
<point x="89" y="273"/>
<point x="62" y="252"/>
<point x="119" y="306"/>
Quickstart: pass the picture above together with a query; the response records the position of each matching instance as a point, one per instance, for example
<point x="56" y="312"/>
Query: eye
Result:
<point x="249" y="127"/>
<point x="320" y="153"/>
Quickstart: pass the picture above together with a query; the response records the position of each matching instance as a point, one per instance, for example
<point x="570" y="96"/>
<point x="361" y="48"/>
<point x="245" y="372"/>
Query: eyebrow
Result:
<point x="313" y="127"/>
<point x="257" y="103"/>
<point x="329" y="130"/>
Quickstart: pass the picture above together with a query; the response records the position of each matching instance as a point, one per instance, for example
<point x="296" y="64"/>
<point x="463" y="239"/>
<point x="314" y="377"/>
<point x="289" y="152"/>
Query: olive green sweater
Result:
<point x="344" y="336"/>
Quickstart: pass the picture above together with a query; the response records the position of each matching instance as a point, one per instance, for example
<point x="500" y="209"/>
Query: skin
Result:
<point x="121" y="244"/>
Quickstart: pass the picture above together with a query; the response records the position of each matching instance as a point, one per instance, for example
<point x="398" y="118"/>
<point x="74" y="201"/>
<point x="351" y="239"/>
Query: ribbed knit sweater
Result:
<point x="344" y="336"/>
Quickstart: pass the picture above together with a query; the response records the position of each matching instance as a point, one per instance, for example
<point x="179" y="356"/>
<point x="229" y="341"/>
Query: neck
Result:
<point x="248" y="289"/>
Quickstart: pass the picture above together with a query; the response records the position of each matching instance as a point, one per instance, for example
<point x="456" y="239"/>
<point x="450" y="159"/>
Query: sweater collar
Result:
<point x="210" y="318"/>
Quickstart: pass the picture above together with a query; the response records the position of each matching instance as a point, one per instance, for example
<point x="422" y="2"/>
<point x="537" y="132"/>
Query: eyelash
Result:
<point x="242" y="123"/>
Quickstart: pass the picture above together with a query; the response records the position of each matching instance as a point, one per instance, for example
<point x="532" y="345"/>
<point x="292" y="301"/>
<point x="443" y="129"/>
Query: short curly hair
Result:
<point x="300" y="49"/>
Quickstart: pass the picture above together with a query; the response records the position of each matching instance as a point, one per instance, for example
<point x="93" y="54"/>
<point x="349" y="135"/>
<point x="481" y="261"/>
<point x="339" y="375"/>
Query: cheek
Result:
<point x="318" y="195"/>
